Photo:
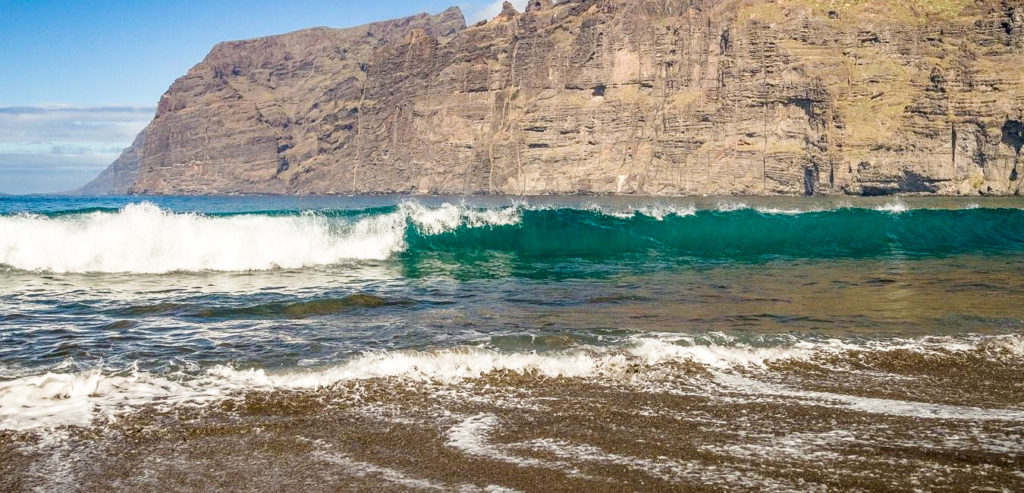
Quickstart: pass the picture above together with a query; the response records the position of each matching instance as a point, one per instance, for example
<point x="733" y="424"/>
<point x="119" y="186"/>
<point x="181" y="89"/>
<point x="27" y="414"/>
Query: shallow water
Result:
<point x="487" y="343"/>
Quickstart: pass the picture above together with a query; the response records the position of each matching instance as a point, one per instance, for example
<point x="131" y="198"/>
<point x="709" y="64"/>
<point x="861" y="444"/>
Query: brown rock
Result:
<point x="536" y="5"/>
<point x="605" y="96"/>
<point x="508" y="13"/>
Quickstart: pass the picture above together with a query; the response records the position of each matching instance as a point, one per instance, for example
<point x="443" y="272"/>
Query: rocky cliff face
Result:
<point x="606" y="96"/>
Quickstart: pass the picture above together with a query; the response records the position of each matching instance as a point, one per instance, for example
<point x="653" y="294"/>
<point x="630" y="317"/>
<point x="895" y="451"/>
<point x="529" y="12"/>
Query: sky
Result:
<point x="78" y="78"/>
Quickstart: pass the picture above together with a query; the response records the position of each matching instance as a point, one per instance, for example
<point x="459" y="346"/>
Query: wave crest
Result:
<point x="142" y="238"/>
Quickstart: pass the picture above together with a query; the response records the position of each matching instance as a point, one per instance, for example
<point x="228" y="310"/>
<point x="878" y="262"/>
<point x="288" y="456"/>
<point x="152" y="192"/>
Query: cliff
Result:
<point x="643" y="97"/>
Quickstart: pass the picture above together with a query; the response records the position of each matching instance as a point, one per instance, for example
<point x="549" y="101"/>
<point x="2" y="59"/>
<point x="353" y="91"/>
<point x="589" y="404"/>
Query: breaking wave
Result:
<point x="142" y="238"/>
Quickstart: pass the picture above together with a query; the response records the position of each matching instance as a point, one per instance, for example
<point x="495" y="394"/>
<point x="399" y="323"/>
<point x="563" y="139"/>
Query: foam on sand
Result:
<point x="54" y="399"/>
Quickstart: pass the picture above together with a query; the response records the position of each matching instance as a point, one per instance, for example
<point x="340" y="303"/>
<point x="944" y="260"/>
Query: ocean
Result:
<point x="511" y="343"/>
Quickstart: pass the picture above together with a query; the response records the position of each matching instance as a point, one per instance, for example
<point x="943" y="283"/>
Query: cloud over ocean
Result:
<point x="57" y="147"/>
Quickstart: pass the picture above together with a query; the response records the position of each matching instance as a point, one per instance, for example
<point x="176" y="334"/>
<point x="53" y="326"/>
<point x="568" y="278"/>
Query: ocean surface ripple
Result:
<point x="509" y="343"/>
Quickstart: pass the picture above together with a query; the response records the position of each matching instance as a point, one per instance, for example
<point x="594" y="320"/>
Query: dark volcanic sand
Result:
<point x="670" y="427"/>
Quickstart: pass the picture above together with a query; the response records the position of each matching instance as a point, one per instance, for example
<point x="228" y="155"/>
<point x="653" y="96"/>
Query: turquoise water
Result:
<point x="878" y="306"/>
<point x="178" y="283"/>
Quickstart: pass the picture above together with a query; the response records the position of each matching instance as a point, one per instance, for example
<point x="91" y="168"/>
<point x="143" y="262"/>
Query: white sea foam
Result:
<point x="657" y="211"/>
<point x="454" y="365"/>
<point x="778" y="211"/>
<point x="893" y="207"/>
<point x="621" y="213"/>
<point x="670" y="470"/>
<point x="447" y="217"/>
<point x="80" y="398"/>
<point x="472" y="436"/>
<point x="892" y="407"/>
<point x="77" y="398"/>
<point x="730" y="206"/>
<point x="142" y="238"/>
<point x="55" y="399"/>
<point x="660" y="212"/>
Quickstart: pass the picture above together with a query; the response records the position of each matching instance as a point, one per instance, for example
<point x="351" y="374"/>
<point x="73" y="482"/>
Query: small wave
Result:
<point x="894" y="207"/>
<point x="56" y="399"/>
<point x="658" y="211"/>
<point x="777" y="211"/>
<point x="449" y="217"/>
<point x="728" y="206"/>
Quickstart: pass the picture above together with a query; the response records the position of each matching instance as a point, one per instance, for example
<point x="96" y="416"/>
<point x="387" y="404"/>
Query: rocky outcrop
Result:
<point x="648" y="97"/>
<point x="120" y="176"/>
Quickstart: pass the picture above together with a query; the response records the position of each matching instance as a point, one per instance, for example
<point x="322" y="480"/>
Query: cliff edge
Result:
<point x="647" y="97"/>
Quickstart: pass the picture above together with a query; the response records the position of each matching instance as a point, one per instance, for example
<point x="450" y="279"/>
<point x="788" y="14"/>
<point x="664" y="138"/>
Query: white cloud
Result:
<point x="59" y="124"/>
<point x="477" y="13"/>
<point x="58" y="147"/>
<point x="53" y="133"/>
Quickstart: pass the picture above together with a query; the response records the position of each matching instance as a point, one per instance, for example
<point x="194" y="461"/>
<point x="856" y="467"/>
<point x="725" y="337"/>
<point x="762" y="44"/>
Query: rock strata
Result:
<point x="647" y="97"/>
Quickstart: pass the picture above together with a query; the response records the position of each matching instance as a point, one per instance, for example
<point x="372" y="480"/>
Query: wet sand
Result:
<point x="887" y="422"/>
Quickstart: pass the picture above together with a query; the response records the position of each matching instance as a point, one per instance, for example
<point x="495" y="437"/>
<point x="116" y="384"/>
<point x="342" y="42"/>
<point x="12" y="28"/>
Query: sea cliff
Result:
<point x="646" y="97"/>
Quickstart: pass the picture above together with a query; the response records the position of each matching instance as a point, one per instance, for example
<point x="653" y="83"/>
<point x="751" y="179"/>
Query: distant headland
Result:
<point x="644" y="97"/>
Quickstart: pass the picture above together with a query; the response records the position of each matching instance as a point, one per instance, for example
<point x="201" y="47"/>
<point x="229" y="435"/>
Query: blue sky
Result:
<point x="80" y="78"/>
